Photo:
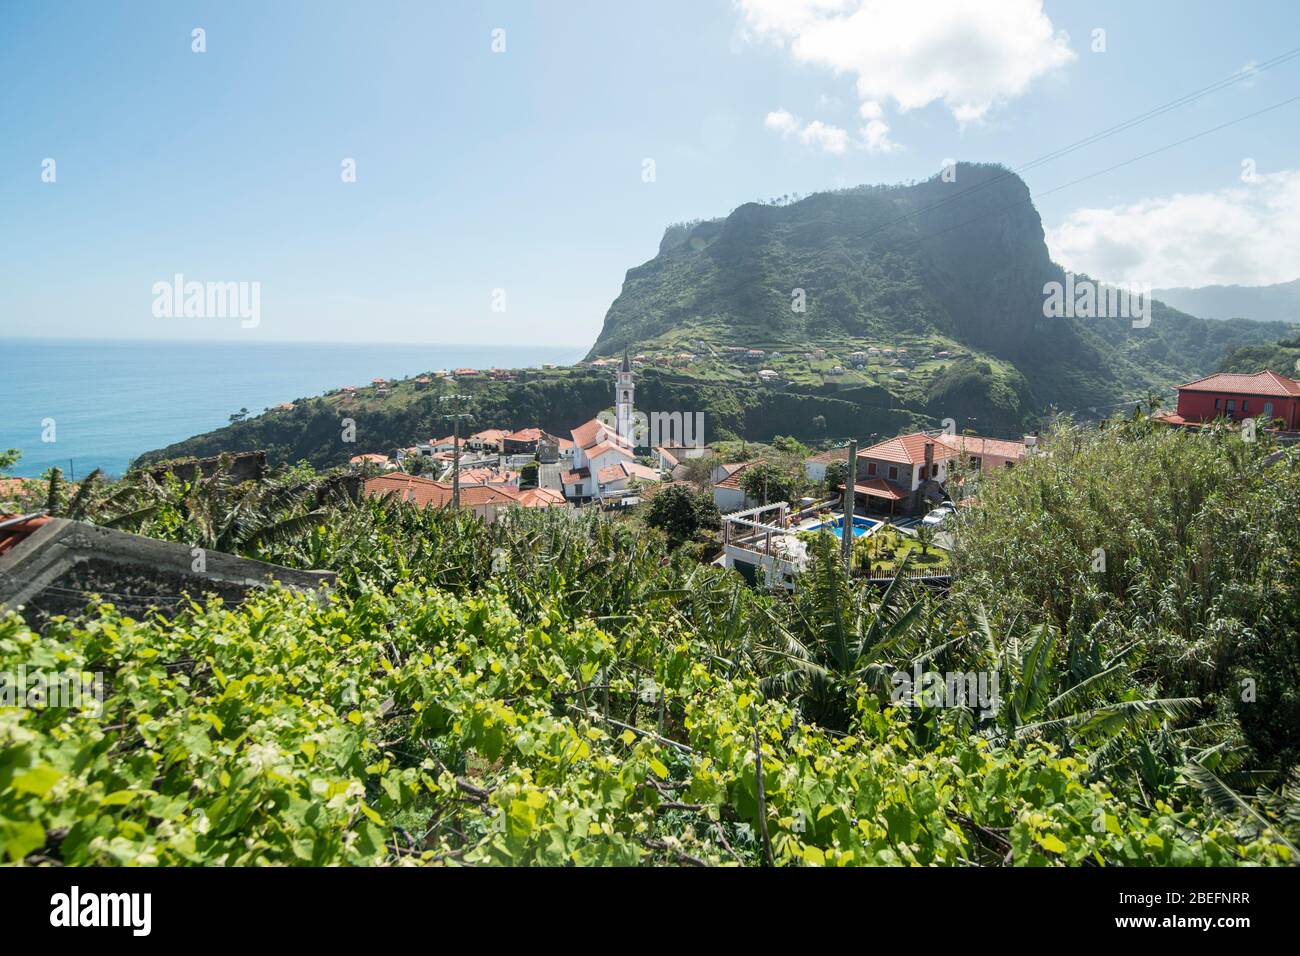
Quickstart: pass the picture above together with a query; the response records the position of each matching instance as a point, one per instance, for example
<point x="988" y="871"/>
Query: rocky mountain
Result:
<point x="960" y="262"/>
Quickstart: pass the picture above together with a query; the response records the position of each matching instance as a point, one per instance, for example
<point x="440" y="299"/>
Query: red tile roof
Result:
<point x="488" y="476"/>
<point x="907" y="450"/>
<point x="734" y="471"/>
<point x="878" y="488"/>
<point x="626" y="469"/>
<point x="595" y="451"/>
<point x="438" y="494"/>
<point x="541" y="498"/>
<point x="1261" y="383"/>
<point x="489" y="435"/>
<point x="13" y="486"/>
<point x="589" y="433"/>
<point x="975" y="445"/>
<point x="527" y="434"/>
<point x="574" y="476"/>
<point x="14" y="534"/>
<point x="370" y="457"/>
<point x="1172" y="418"/>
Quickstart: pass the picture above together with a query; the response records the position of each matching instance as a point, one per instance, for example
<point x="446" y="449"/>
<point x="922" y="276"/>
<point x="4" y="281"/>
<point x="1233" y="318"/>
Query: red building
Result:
<point x="1234" y="397"/>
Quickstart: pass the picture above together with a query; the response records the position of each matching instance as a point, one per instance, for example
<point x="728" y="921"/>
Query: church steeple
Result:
<point x="624" y="399"/>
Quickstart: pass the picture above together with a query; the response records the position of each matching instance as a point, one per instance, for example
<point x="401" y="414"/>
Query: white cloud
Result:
<point x="1245" y="235"/>
<point x="875" y="137"/>
<point x="833" y="139"/>
<point x="971" y="55"/>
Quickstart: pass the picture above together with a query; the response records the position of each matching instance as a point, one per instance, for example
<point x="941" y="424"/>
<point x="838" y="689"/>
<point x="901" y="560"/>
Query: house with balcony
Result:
<point x="1233" y="397"/>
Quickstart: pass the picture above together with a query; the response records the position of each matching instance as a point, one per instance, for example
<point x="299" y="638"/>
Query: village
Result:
<point x="907" y="489"/>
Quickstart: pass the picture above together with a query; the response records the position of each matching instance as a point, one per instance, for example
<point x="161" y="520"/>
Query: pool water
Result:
<point x="861" y="526"/>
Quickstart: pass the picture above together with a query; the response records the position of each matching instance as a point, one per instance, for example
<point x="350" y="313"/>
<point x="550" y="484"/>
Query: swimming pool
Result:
<point x="861" y="526"/>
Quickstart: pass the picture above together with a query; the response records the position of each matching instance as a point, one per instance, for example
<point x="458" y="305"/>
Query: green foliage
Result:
<point x="837" y="473"/>
<point x="681" y="513"/>
<point x="1179" y="542"/>
<point x="556" y="689"/>
<point x="766" y="481"/>
<point x="428" y="728"/>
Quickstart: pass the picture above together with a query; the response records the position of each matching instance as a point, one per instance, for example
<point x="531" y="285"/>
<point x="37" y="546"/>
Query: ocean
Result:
<point x="104" y="402"/>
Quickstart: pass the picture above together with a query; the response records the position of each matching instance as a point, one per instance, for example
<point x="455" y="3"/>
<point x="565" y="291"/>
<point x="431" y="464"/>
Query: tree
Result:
<point x="680" y="512"/>
<point x="419" y="465"/>
<point x="8" y="459"/>
<point x="765" y="482"/>
<point x="699" y="471"/>
<point x="840" y="639"/>
<point x="925" y="534"/>
<point x="790" y="445"/>
<point x="836" y="473"/>
<point x="528" y="474"/>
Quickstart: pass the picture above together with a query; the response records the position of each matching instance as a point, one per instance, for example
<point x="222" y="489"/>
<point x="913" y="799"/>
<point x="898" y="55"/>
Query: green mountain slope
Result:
<point x="959" y="262"/>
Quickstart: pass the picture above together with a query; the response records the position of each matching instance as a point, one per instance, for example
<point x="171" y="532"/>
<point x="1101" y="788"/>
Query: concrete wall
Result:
<point x="63" y="560"/>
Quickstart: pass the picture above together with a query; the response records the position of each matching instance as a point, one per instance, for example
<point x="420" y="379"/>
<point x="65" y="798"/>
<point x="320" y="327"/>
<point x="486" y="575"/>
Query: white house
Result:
<point x="727" y="493"/>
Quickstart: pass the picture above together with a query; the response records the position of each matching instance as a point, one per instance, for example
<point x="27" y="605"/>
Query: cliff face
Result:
<point x="964" y="259"/>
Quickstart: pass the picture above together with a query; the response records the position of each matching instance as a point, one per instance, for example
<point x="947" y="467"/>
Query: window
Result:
<point x="1268" y="410"/>
<point x="893" y="473"/>
<point x="934" y="470"/>
<point x="1216" y="403"/>
<point x="577" y="489"/>
<point x="871" y="468"/>
<point x="1244" y="403"/>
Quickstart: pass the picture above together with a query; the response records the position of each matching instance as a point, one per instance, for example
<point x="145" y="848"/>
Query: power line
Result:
<point x="1187" y="98"/>
<point x="1100" y="172"/>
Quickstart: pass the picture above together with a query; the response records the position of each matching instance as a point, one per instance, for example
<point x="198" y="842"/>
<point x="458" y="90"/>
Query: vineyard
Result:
<point x="554" y="689"/>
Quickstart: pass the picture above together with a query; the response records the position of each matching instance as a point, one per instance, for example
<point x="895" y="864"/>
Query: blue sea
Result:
<point x="112" y="400"/>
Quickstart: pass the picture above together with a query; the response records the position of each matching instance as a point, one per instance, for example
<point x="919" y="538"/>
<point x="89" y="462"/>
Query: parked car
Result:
<point x="939" y="515"/>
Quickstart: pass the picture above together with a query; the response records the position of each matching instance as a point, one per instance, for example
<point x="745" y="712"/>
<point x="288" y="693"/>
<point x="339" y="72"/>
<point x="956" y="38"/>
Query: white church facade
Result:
<point x="604" y="462"/>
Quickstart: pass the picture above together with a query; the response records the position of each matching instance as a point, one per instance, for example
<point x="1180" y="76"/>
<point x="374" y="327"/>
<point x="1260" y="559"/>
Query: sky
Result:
<point x="514" y="159"/>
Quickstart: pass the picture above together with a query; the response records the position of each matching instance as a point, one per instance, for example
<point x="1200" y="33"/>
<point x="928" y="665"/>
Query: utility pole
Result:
<point x="850" y="497"/>
<point x="455" y="401"/>
<point x="455" y="462"/>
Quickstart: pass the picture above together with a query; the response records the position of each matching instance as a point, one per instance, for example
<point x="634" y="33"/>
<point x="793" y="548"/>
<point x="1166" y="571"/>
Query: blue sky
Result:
<point x="522" y="170"/>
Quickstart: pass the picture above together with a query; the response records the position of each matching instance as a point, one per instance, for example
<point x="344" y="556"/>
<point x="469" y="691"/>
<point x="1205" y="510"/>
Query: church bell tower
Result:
<point x="624" y="396"/>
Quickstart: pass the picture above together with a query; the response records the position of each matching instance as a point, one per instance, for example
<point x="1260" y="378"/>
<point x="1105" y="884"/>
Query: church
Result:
<point x="604" y="462"/>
